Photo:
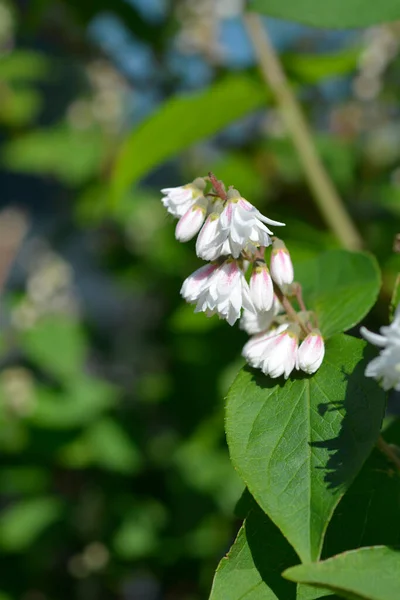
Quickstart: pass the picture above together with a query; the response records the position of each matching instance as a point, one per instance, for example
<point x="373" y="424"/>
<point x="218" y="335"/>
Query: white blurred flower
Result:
<point x="258" y="322"/>
<point x="386" y="367"/>
<point x="281" y="264"/>
<point x="311" y="352"/>
<point x="261" y="287"/>
<point x="179" y="200"/>
<point x="224" y="293"/>
<point x="192" y="221"/>
<point x="274" y="352"/>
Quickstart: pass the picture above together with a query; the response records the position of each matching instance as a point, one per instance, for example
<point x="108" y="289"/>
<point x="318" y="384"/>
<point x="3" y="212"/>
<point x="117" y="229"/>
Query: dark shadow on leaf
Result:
<point x="359" y="429"/>
<point x="271" y="553"/>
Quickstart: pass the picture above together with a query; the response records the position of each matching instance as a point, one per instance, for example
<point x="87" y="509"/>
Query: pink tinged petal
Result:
<point x="311" y="353"/>
<point x="373" y="338"/>
<point x="194" y="285"/>
<point x="261" y="288"/>
<point x="210" y="239"/>
<point x="281" y="267"/>
<point x="190" y="223"/>
<point x="227" y="215"/>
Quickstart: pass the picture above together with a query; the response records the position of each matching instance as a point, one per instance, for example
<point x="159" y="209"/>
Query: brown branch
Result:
<point x="218" y="186"/>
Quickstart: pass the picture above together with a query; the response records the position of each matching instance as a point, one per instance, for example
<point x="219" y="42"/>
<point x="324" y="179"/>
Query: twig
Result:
<point x="289" y="308"/>
<point x="325" y="194"/>
<point x="218" y="186"/>
<point x="386" y="449"/>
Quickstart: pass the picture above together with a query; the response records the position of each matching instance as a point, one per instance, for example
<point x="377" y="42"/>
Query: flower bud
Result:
<point x="311" y="352"/>
<point x="274" y="352"/>
<point x="261" y="287"/>
<point x="191" y="222"/>
<point x="281" y="264"/>
<point x="208" y="246"/>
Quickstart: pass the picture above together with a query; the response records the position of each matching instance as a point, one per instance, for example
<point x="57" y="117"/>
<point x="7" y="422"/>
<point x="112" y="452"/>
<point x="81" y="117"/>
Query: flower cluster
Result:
<point x="385" y="368"/>
<point x="233" y="237"/>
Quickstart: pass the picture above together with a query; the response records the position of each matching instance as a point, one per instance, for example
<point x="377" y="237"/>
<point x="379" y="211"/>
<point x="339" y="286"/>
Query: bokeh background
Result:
<point x="115" y="480"/>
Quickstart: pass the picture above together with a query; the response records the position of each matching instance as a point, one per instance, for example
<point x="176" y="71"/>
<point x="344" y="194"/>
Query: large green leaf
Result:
<point x="340" y="286"/>
<point x="253" y="567"/>
<point x="180" y="122"/>
<point x="369" y="513"/>
<point x="298" y="445"/>
<point x="365" y="574"/>
<point x="331" y="13"/>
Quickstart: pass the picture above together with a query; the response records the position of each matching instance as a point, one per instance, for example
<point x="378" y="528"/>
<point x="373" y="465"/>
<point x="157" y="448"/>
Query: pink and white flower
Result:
<point x="281" y="264"/>
<point x="274" y="352"/>
<point x="191" y="222"/>
<point x="208" y="243"/>
<point x="239" y="226"/>
<point x="197" y="282"/>
<point x="311" y="352"/>
<point x="224" y="293"/>
<point x="178" y="200"/>
<point x="261" y="287"/>
<point x="258" y="322"/>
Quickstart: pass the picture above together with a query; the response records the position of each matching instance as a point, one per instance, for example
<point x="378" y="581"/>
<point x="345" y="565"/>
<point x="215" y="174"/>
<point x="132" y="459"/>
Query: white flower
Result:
<point x="386" y="367"/>
<point x="240" y="226"/>
<point x="178" y="200"/>
<point x="258" y="322"/>
<point x="281" y="264"/>
<point x="311" y="352"/>
<point x="274" y="352"/>
<point x="208" y="243"/>
<point x="191" y="222"/>
<point x="197" y="282"/>
<point x="261" y="287"/>
<point x="224" y="293"/>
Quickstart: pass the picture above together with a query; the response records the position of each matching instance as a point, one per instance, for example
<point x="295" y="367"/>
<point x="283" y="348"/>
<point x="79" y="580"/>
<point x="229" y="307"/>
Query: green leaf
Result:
<point x="24" y="66"/>
<point x="364" y="574"/>
<point x="253" y="567"/>
<point x="340" y="287"/>
<point x="330" y="13"/>
<point x="83" y="402"/>
<point x="395" y="300"/>
<point x="56" y="344"/>
<point x="180" y="123"/>
<point x="298" y="445"/>
<point x="369" y="512"/>
<point x="22" y="523"/>
<point x="312" y="68"/>
<point x="104" y="444"/>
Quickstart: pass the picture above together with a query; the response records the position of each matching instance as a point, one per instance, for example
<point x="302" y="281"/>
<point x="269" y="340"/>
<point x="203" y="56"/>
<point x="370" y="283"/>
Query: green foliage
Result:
<point x="363" y="574"/>
<point x="254" y="563"/>
<point x="330" y="13"/>
<point x="180" y="123"/>
<point x="22" y="523"/>
<point x="340" y="287"/>
<point x="321" y="428"/>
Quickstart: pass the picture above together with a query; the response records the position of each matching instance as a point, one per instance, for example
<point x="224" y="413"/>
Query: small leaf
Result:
<point x="364" y="574"/>
<point x="312" y="68"/>
<point x="22" y="523"/>
<point x="330" y="13"/>
<point x="181" y="122"/>
<point x="340" y="287"/>
<point x="298" y="445"/>
<point x="56" y="344"/>
<point x="253" y="567"/>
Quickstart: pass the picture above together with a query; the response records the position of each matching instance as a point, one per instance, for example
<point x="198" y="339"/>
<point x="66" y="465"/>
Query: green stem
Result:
<point x="325" y="194"/>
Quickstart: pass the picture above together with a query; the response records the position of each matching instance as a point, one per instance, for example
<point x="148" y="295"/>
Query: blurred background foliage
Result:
<point x="115" y="479"/>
